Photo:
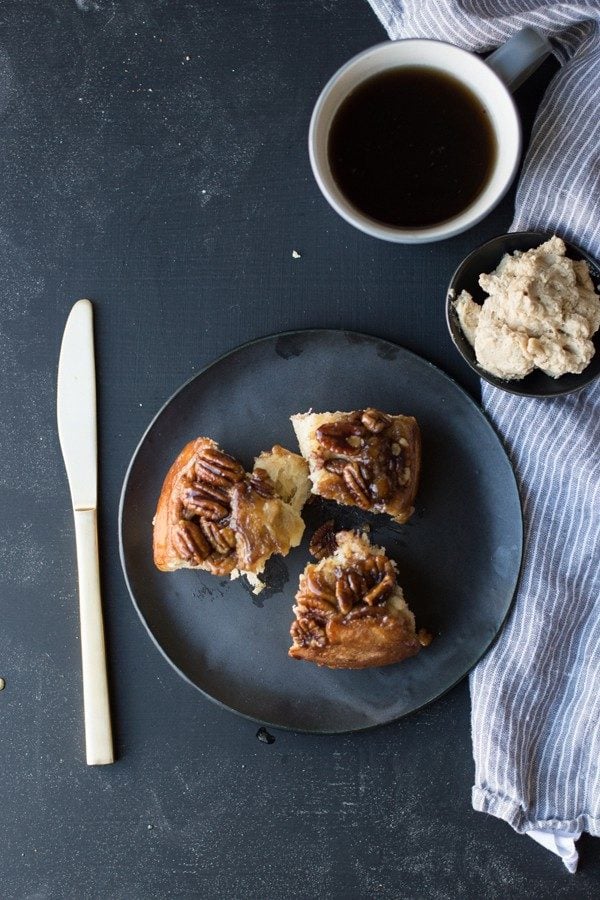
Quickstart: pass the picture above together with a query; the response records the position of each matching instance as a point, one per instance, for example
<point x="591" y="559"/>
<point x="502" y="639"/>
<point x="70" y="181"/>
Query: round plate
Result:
<point x="458" y="557"/>
<point x="466" y="277"/>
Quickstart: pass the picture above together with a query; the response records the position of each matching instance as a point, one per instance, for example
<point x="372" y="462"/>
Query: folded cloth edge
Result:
<point x="560" y="844"/>
<point x="514" y="814"/>
<point x="558" y="836"/>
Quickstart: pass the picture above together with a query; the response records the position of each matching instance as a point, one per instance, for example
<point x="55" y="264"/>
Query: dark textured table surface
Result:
<point x="153" y="158"/>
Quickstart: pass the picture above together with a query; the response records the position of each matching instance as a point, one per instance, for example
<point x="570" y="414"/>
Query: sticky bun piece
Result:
<point x="350" y="610"/>
<point x="365" y="458"/>
<point x="213" y="515"/>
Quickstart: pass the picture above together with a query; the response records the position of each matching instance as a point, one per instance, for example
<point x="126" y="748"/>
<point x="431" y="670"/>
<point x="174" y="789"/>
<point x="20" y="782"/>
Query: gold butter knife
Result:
<point x="76" y="413"/>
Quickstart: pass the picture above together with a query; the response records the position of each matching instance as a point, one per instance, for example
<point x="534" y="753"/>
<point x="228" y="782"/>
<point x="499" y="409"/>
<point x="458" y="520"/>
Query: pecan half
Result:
<point x="190" y="543"/>
<point x="261" y="483"/>
<point x="318" y="607"/>
<point x="357" y="486"/>
<point x="215" y="467"/>
<point x="335" y="466"/>
<point x="341" y="437"/>
<point x="306" y="631"/>
<point x="382" y="575"/>
<point x="374" y="420"/>
<point x="323" y="542"/>
<point x="315" y="584"/>
<point x="367" y="612"/>
<point x="350" y="586"/>
<point x="197" y="502"/>
<point x="380" y="591"/>
<point x="212" y="492"/>
<point x="221" y="539"/>
<point x="395" y="470"/>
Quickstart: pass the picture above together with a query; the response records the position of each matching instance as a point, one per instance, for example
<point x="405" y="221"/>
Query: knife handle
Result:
<point x="98" y="733"/>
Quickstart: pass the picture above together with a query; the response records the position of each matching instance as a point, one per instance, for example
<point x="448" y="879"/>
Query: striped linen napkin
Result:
<point x="535" y="696"/>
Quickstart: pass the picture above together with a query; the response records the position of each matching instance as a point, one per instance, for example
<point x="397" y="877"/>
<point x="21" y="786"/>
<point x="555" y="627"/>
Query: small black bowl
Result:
<point x="485" y="259"/>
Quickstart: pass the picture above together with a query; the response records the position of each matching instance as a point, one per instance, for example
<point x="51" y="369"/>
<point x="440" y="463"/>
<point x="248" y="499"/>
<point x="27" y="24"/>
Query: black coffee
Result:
<point x="411" y="147"/>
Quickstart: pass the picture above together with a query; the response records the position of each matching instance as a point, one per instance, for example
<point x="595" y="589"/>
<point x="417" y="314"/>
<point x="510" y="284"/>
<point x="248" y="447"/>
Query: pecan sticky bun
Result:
<point x="213" y="515"/>
<point x="350" y="610"/>
<point x="364" y="458"/>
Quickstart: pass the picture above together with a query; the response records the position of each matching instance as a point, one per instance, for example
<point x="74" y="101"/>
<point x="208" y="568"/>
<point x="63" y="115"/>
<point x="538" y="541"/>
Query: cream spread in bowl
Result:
<point x="541" y="312"/>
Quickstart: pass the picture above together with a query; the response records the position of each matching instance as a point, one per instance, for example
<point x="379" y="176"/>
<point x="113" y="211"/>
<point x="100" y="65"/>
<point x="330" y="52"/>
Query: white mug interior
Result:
<point x="464" y="66"/>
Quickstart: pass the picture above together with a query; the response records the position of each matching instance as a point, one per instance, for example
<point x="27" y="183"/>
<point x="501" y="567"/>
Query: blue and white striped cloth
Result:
<point x="536" y="695"/>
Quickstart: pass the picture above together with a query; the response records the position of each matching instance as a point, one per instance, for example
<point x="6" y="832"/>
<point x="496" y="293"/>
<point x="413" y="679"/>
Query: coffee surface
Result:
<point x="411" y="147"/>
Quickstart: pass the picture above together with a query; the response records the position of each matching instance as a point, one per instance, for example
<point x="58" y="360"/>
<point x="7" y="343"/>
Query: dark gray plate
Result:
<point x="458" y="557"/>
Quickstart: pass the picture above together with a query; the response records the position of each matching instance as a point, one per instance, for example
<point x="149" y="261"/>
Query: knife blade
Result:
<point x="76" y="415"/>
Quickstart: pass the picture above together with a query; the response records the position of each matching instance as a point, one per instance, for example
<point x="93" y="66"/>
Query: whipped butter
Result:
<point x="541" y="312"/>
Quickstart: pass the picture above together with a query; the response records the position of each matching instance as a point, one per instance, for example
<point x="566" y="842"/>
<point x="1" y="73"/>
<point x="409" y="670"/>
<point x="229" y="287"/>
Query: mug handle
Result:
<point x="519" y="57"/>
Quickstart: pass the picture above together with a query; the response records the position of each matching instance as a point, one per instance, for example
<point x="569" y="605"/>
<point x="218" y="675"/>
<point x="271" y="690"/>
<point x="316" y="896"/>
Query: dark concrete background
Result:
<point x="153" y="158"/>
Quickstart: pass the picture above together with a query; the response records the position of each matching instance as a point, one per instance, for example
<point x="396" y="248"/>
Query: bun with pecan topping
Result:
<point x="364" y="458"/>
<point x="213" y="515"/>
<point x="350" y="610"/>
